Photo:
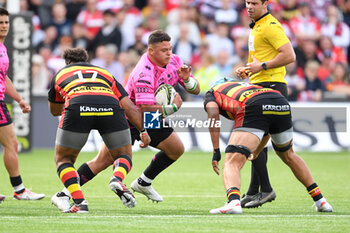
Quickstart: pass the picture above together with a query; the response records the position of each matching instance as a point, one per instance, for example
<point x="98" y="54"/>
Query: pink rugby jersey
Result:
<point x="4" y="65"/>
<point x="146" y="77"/>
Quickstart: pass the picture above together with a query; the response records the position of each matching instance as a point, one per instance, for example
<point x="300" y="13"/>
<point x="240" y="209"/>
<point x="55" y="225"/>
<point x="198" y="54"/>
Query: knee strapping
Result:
<point x="238" y="149"/>
<point x="282" y="149"/>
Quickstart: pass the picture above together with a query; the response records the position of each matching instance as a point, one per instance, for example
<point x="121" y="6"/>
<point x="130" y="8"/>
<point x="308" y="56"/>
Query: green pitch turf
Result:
<point x="190" y="189"/>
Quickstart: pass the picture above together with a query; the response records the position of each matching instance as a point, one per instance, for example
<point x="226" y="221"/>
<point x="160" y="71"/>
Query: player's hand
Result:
<point x="184" y="72"/>
<point x="215" y="161"/>
<point x="177" y="100"/>
<point x="145" y="138"/>
<point x="242" y="72"/>
<point x="24" y="106"/>
<point x="254" y="66"/>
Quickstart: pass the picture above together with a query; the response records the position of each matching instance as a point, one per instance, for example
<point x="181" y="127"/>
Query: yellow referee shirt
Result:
<point x="265" y="38"/>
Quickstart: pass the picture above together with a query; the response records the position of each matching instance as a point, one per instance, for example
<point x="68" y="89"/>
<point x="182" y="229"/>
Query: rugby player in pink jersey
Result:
<point x="157" y="66"/>
<point x="7" y="133"/>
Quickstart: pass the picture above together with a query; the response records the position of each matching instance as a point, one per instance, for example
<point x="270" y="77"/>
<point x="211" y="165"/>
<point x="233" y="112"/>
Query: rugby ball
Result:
<point x="165" y="94"/>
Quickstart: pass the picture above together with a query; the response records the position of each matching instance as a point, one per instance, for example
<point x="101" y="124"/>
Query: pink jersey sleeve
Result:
<point x="4" y="64"/>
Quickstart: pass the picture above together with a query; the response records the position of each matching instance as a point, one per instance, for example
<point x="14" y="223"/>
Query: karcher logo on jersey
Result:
<point x="269" y="109"/>
<point x="151" y="120"/>
<point x="92" y="111"/>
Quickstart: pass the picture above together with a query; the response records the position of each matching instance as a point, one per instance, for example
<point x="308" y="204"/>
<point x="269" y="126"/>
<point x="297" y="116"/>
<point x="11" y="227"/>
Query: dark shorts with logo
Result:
<point x="281" y="87"/>
<point x="5" y="118"/>
<point x="82" y="118"/>
<point x="156" y="135"/>
<point x="271" y="115"/>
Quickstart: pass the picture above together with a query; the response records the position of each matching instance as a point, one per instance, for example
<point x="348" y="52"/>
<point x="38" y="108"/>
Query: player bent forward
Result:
<point x="88" y="97"/>
<point x="248" y="104"/>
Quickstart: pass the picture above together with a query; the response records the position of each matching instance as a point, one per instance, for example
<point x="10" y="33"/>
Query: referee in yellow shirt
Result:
<point x="269" y="51"/>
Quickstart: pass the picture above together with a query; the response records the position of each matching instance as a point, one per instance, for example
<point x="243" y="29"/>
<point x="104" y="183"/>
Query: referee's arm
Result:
<point x="285" y="56"/>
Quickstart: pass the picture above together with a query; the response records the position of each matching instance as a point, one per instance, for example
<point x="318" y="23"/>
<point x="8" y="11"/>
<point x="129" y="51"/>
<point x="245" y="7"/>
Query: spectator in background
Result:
<point x="113" y="5"/>
<point x="326" y="66"/>
<point x="319" y="8"/>
<point x="345" y="7"/>
<point x="242" y="29"/>
<point x="139" y="46"/>
<point x="173" y="29"/>
<point x="219" y="40"/>
<point x="206" y="73"/>
<point x="109" y="62"/>
<point x="339" y="82"/>
<point x="79" y="36"/>
<point x="290" y="9"/>
<point x="305" y="51"/>
<point x="91" y="18"/>
<point x="42" y="8"/>
<point x="295" y="82"/>
<point x="337" y="30"/>
<point x="183" y="47"/>
<point x="109" y="33"/>
<point x="40" y="76"/>
<point x="56" y="62"/>
<point x="74" y="7"/>
<point x="155" y="8"/>
<point x="226" y="13"/>
<point x="305" y="26"/>
<point x="50" y="39"/>
<point x="129" y="18"/>
<point x="38" y="33"/>
<point x="60" y="21"/>
<point x="327" y="47"/>
<point x="223" y="63"/>
<point x="313" y="89"/>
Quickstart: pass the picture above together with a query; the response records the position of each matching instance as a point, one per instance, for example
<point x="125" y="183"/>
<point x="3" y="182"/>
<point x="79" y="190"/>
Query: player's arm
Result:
<point x="214" y="115"/>
<point x="56" y="109"/>
<point x="191" y="84"/>
<point x="135" y="117"/>
<point x="11" y="92"/>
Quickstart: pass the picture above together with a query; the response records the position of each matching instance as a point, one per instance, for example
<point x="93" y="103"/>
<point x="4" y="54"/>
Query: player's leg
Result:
<point x="118" y="144"/>
<point x="9" y="142"/>
<point x="240" y="146"/>
<point x="68" y="146"/>
<point x="302" y="173"/>
<point x="171" y="148"/>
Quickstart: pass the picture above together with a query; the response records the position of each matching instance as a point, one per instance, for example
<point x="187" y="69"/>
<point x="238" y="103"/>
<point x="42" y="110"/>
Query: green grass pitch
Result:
<point x="190" y="189"/>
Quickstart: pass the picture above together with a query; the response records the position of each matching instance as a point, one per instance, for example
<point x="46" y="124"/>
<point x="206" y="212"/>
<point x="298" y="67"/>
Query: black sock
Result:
<point x="16" y="181"/>
<point x="85" y="174"/>
<point x="315" y="192"/>
<point x="159" y="162"/>
<point x="261" y="169"/>
<point x="254" y="182"/>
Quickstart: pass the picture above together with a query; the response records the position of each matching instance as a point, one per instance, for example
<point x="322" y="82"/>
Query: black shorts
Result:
<point x="271" y="115"/>
<point x="156" y="135"/>
<point x="82" y="118"/>
<point x="281" y="87"/>
<point x="5" y="118"/>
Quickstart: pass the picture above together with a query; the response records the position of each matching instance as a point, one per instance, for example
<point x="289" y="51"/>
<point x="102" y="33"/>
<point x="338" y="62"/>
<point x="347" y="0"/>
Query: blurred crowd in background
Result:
<point x="210" y="35"/>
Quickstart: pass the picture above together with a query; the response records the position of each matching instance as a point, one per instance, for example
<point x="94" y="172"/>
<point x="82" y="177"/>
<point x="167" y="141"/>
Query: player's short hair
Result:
<point x="263" y="1"/>
<point x="75" y="55"/>
<point x="3" y="11"/>
<point x="158" y="36"/>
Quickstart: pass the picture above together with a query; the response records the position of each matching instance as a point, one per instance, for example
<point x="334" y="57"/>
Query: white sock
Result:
<point x="146" y="179"/>
<point x="18" y="187"/>
<point x="65" y="191"/>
